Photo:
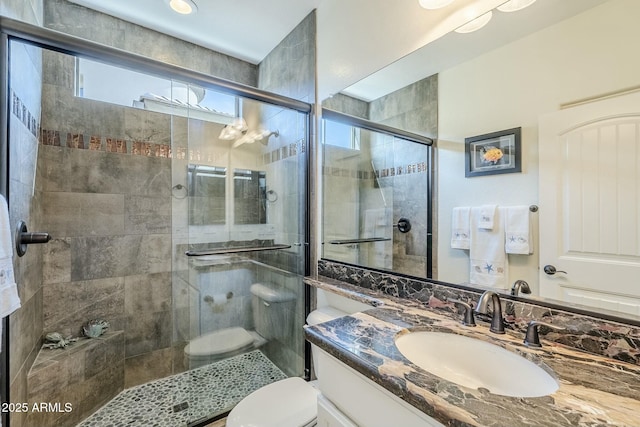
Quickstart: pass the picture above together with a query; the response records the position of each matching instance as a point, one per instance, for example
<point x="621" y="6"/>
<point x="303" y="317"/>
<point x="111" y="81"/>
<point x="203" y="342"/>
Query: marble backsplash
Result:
<point x="607" y="338"/>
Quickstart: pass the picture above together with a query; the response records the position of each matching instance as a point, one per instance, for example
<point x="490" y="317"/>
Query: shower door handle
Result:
<point x="24" y="238"/>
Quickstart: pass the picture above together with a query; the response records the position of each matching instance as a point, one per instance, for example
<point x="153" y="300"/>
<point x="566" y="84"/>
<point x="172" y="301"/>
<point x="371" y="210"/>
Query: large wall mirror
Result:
<point x="520" y="68"/>
<point x="206" y="186"/>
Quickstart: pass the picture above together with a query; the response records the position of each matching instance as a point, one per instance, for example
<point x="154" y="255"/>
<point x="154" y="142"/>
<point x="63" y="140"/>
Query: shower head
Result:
<point x="234" y="130"/>
<point x="253" y="136"/>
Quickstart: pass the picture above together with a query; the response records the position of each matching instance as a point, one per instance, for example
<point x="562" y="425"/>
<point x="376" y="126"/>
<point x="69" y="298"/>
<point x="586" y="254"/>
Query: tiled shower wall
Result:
<point x="110" y="207"/>
<point x="110" y="216"/>
<point x="25" y="201"/>
<point x="70" y="18"/>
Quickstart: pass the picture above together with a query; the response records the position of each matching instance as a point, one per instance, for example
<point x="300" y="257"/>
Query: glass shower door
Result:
<point x="238" y="202"/>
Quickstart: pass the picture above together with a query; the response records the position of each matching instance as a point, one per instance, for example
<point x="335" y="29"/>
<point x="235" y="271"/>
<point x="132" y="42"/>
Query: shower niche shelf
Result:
<point x="89" y="364"/>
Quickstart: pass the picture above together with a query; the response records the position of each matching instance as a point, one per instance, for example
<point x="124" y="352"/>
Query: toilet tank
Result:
<point x="273" y="310"/>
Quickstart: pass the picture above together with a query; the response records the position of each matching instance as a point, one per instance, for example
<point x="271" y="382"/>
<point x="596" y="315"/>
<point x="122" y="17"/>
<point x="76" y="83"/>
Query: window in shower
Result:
<point x="121" y="86"/>
<point x="341" y="135"/>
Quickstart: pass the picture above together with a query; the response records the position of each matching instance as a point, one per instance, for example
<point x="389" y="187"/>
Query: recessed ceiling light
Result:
<point x="476" y="24"/>
<point x="434" y="4"/>
<point x="184" y="7"/>
<point x="515" y="5"/>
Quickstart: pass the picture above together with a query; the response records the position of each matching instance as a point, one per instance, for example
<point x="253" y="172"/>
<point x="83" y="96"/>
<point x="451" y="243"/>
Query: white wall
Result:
<point x="589" y="55"/>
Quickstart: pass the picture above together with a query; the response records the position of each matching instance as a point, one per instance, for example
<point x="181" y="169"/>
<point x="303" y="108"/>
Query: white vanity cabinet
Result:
<point x="362" y="402"/>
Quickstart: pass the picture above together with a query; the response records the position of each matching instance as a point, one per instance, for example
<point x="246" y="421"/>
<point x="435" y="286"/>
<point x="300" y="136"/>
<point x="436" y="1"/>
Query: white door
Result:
<point x="590" y="204"/>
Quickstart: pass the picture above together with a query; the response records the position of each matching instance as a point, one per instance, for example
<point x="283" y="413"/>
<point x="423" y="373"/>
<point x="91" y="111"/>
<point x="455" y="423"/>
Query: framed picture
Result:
<point x="493" y="153"/>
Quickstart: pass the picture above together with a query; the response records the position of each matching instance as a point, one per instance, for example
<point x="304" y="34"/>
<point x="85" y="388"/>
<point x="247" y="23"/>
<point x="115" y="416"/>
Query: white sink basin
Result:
<point x="476" y="364"/>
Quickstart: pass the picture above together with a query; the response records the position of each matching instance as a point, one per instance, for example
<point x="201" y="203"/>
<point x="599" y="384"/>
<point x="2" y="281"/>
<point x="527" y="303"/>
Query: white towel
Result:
<point x="518" y="231"/>
<point x="9" y="300"/>
<point x="489" y="264"/>
<point x="460" y="228"/>
<point x="487" y="216"/>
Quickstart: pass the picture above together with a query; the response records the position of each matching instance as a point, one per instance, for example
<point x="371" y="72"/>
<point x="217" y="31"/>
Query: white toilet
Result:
<point x="286" y="403"/>
<point x="271" y="306"/>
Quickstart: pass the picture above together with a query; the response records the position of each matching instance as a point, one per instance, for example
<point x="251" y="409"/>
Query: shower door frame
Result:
<point x="14" y="30"/>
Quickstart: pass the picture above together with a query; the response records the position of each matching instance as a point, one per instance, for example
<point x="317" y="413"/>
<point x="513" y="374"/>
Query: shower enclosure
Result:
<point x="172" y="198"/>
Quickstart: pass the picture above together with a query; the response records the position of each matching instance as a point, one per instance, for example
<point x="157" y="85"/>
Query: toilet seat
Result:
<point x="223" y="341"/>
<point x="287" y="403"/>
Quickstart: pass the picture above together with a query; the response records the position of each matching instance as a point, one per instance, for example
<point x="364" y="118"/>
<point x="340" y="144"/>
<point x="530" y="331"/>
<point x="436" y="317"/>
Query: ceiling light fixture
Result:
<point x="476" y="24"/>
<point x="184" y="7"/>
<point x="434" y="4"/>
<point x="515" y="5"/>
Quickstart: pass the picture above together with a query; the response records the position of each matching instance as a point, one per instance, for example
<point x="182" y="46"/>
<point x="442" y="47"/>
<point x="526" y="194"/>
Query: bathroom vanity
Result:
<point x="384" y="387"/>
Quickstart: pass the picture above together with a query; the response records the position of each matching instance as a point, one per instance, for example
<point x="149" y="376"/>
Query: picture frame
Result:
<point x="493" y="153"/>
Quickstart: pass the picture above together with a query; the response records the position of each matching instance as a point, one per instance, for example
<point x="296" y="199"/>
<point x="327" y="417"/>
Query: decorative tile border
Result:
<point x="420" y="167"/>
<point x="150" y="149"/>
<point x="108" y="144"/>
<point x="290" y="150"/>
<point x="23" y="114"/>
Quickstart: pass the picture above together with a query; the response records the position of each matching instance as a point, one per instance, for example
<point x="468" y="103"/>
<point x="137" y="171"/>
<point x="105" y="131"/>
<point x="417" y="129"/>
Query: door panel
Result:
<point x="589" y="203"/>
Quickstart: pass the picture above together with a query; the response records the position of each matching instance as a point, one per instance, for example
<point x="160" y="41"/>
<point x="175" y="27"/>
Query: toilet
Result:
<point x="270" y="305"/>
<point x="287" y="403"/>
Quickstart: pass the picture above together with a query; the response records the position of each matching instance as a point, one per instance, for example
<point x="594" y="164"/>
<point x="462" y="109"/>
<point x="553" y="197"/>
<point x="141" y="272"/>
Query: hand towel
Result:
<point x="9" y="300"/>
<point x="460" y="228"/>
<point x="518" y="231"/>
<point x="489" y="263"/>
<point x="486" y="216"/>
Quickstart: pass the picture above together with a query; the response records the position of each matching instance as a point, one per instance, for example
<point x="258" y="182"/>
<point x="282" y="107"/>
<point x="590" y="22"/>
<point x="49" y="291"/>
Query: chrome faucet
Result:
<point x="497" y="322"/>
<point x="520" y="286"/>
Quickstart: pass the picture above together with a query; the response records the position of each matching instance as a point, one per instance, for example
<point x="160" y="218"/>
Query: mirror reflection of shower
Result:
<point x="373" y="214"/>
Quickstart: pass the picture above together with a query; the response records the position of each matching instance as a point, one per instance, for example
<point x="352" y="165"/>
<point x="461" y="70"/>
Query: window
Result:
<point x="107" y="83"/>
<point x="341" y="135"/>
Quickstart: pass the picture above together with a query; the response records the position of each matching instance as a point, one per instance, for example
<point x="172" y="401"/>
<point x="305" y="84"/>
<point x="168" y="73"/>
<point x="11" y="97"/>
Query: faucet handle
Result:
<point x="531" y="338"/>
<point x="468" y="319"/>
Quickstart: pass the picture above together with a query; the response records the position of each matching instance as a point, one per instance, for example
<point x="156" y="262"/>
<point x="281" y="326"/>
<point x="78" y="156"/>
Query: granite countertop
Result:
<point x="594" y="390"/>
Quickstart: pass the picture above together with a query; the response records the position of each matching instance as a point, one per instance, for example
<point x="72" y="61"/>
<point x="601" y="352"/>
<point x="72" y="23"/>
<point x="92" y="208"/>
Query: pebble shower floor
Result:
<point x="191" y="396"/>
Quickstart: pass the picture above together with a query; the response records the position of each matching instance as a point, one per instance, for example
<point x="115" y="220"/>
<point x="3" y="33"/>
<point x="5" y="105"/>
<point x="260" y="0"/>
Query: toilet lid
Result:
<point x="219" y="342"/>
<point x="324" y="314"/>
<point x="287" y="403"/>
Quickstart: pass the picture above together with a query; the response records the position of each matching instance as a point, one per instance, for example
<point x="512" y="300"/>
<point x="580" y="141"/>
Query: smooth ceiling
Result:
<point x="355" y="38"/>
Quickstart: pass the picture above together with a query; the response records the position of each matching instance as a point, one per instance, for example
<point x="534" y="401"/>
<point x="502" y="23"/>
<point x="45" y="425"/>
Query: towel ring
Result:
<point x="272" y="196"/>
<point x="179" y="187"/>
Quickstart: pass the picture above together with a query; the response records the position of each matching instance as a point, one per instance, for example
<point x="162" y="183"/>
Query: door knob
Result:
<point x="551" y="270"/>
